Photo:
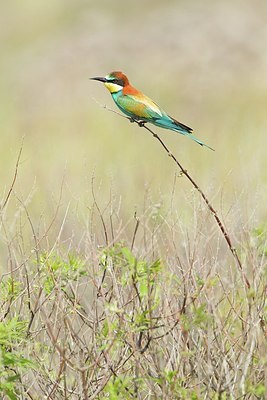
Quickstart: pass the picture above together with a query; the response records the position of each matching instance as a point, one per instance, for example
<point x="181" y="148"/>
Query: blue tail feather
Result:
<point x="176" y="126"/>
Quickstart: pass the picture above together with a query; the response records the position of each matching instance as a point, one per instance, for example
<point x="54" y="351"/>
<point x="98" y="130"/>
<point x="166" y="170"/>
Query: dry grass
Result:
<point x="155" y="309"/>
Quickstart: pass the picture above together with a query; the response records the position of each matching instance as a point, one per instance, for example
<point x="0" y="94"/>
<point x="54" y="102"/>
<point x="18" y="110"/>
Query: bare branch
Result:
<point x="197" y="187"/>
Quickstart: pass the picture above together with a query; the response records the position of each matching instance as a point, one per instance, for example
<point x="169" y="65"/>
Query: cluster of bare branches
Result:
<point x="133" y="316"/>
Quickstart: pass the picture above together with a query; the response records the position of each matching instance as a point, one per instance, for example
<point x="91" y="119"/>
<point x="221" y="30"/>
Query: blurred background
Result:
<point x="204" y="62"/>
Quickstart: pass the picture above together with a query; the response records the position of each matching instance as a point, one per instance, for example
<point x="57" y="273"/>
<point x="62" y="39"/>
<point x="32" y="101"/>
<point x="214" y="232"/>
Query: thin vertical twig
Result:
<point x="14" y="177"/>
<point x="99" y="212"/>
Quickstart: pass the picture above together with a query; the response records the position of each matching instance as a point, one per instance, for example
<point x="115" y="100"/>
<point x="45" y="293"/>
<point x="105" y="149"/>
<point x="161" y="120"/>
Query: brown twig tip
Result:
<point x="197" y="187"/>
<point x="14" y="177"/>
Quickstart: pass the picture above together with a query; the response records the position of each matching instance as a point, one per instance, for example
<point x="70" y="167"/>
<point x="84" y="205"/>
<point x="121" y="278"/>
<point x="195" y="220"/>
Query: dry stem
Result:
<point x="197" y="187"/>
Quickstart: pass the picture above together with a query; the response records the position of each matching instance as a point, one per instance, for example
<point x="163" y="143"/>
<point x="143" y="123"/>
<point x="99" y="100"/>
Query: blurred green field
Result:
<point x="205" y="63"/>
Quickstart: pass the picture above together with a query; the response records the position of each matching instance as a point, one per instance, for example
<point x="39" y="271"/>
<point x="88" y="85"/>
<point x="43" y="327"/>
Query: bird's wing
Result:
<point x="140" y="106"/>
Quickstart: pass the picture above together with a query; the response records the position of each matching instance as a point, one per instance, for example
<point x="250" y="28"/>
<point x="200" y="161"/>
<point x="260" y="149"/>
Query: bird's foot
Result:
<point x="141" y="123"/>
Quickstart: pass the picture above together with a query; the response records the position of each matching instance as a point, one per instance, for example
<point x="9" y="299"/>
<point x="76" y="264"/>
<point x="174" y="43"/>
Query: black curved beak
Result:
<point x="99" y="78"/>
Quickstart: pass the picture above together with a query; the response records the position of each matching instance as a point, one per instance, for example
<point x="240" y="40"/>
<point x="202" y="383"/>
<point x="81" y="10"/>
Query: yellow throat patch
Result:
<point x="113" y="87"/>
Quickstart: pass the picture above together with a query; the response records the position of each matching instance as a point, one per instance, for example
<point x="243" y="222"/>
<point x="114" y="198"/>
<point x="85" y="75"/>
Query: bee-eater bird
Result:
<point x="141" y="108"/>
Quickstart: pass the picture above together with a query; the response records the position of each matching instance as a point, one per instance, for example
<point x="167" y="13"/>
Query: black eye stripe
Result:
<point x="117" y="81"/>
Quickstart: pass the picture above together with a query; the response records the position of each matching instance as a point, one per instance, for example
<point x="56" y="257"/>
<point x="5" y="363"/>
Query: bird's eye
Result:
<point x="117" y="81"/>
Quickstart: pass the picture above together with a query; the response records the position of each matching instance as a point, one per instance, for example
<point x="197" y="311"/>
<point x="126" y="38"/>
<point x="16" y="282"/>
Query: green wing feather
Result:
<point x="140" y="107"/>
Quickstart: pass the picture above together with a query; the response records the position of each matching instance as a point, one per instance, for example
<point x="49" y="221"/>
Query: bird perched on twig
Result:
<point x="141" y="108"/>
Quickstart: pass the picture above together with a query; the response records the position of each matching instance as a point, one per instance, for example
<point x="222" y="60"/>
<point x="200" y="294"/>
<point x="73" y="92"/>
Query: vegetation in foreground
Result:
<point x="158" y="315"/>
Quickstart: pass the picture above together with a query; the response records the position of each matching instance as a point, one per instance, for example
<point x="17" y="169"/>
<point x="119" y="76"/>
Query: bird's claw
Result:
<point x="141" y="123"/>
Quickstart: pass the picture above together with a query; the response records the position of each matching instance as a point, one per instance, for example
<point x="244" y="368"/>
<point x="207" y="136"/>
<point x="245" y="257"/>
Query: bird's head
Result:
<point x="114" y="82"/>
